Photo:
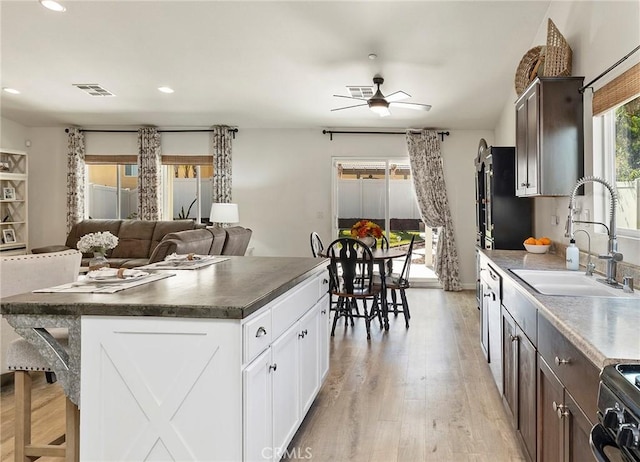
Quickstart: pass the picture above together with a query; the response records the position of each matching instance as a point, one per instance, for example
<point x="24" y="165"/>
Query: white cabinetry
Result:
<point x="293" y="368"/>
<point x="13" y="202"/>
<point x="203" y="389"/>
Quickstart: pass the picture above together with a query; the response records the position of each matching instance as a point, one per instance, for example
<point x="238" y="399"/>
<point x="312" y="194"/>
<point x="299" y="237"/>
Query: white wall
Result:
<point x="599" y="33"/>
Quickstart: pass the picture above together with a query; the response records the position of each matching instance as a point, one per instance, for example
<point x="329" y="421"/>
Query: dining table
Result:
<point x="381" y="257"/>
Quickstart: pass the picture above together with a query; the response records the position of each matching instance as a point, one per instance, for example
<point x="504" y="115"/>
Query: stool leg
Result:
<point x="22" y="430"/>
<point x="72" y="435"/>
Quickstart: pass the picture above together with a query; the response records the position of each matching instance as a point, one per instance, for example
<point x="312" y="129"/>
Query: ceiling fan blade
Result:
<point x="416" y="106"/>
<point x="350" y="97"/>
<point x="348" y="107"/>
<point x="397" y="96"/>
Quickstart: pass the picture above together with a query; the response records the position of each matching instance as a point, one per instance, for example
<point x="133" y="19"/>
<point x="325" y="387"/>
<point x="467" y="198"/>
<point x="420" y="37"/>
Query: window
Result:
<point x="131" y="170"/>
<point x="617" y="132"/>
<point x="111" y="193"/>
<point x="187" y="185"/>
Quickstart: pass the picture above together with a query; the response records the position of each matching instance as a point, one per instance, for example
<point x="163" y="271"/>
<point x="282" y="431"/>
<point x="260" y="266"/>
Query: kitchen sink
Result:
<point x="569" y="283"/>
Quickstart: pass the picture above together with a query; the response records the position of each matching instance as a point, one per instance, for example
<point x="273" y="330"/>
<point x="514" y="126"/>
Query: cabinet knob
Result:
<point x="325" y="281"/>
<point x="560" y="362"/>
<point x="523" y="185"/>
<point x="560" y="410"/>
<point x="514" y="338"/>
<point x="261" y="331"/>
<point x="323" y="311"/>
<point x="273" y="367"/>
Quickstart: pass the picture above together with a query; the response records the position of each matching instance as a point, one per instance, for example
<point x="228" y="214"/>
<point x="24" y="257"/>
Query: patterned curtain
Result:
<point x="75" y="177"/>
<point x="149" y="175"/>
<point x="221" y="191"/>
<point x="431" y="191"/>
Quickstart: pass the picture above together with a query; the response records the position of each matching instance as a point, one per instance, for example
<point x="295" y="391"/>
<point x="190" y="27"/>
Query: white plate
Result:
<point x="116" y="279"/>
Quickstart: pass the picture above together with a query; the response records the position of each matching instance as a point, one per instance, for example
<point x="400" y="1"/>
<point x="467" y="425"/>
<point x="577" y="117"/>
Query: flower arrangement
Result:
<point x="97" y="242"/>
<point x="365" y="228"/>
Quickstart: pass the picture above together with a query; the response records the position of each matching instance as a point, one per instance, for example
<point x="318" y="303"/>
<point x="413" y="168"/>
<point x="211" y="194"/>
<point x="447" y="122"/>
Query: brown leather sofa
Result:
<point x="142" y="242"/>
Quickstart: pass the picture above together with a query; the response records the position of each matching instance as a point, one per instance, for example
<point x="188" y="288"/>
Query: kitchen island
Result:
<point x="220" y="363"/>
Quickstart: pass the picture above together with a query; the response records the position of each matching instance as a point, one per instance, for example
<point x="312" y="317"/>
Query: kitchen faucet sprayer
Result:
<point x="612" y="255"/>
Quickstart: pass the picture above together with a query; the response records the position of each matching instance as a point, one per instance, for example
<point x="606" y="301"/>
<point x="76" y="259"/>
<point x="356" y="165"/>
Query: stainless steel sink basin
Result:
<point x="569" y="283"/>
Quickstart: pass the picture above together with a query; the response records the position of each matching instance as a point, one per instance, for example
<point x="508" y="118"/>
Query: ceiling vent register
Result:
<point x="93" y="89"/>
<point x="361" y="92"/>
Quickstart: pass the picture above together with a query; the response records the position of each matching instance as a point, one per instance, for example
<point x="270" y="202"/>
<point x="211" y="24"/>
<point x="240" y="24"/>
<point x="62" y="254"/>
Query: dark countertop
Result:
<point x="606" y="330"/>
<point x="232" y="289"/>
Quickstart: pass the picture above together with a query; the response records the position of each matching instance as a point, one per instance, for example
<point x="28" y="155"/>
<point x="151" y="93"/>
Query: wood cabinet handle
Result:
<point x="561" y="362"/>
<point x="261" y="331"/>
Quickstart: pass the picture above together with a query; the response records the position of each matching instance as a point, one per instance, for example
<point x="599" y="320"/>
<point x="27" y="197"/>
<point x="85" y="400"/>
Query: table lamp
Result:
<point x="223" y="214"/>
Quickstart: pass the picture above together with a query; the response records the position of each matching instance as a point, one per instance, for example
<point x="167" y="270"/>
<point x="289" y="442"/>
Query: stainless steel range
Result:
<point x="617" y="436"/>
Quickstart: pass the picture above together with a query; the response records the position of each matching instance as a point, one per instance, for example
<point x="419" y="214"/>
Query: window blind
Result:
<point x="616" y="92"/>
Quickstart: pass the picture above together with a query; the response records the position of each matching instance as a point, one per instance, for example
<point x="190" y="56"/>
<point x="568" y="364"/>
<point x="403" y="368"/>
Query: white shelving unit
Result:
<point x="13" y="202"/>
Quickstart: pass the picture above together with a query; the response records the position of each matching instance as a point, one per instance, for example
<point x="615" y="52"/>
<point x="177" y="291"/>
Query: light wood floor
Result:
<point x="422" y="394"/>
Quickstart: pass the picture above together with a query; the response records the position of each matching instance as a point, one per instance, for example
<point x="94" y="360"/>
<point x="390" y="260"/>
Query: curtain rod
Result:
<point x="581" y="90"/>
<point x="338" y="132"/>
<point x="233" y="131"/>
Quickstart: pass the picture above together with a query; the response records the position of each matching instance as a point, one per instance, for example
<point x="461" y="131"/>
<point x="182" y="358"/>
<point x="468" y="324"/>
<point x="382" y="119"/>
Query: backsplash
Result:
<point x="624" y="268"/>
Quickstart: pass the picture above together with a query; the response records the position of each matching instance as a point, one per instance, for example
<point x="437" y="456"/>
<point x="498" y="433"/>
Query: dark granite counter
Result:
<point x="232" y="289"/>
<point x="606" y="330"/>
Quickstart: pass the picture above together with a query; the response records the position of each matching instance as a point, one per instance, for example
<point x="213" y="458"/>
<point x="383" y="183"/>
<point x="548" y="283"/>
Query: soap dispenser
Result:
<point x="573" y="256"/>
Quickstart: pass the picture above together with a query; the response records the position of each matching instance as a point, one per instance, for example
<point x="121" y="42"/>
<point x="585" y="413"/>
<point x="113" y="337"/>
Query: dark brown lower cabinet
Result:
<point x="520" y="382"/>
<point x="563" y="429"/>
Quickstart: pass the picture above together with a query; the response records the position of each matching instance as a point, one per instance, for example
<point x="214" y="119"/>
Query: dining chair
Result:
<point x="351" y="269"/>
<point x="21" y="274"/>
<point x="400" y="282"/>
<point x="316" y="244"/>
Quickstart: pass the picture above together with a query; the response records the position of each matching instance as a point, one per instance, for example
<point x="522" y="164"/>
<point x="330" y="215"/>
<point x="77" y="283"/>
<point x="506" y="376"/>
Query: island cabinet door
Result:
<point x="286" y="396"/>
<point x="323" y="337"/>
<point x="258" y="410"/>
<point x="160" y="389"/>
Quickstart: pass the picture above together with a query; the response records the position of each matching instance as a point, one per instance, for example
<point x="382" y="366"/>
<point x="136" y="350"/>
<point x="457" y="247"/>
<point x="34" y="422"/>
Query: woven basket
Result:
<point x="528" y="68"/>
<point x="557" y="62"/>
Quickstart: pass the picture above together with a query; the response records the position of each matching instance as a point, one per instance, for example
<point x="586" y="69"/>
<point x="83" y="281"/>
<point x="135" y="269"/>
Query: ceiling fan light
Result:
<point x="380" y="107"/>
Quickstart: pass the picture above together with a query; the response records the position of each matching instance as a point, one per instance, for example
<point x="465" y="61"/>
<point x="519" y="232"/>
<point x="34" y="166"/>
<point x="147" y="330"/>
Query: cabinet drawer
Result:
<point x="292" y="306"/>
<point x="323" y="281"/>
<point x="579" y="375"/>
<point x="256" y="334"/>
<point x="523" y="311"/>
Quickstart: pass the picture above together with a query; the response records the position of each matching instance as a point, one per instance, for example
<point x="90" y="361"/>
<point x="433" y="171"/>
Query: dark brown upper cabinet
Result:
<point x="549" y="137"/>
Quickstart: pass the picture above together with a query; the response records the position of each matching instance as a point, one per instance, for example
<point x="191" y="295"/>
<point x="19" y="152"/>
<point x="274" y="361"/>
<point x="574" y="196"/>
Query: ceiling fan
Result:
<point x="380" y="104"/>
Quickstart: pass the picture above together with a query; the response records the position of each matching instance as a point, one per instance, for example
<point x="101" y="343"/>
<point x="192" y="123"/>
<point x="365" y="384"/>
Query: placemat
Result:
<point x="84" y="286"/>
<point x="183" y="264"/>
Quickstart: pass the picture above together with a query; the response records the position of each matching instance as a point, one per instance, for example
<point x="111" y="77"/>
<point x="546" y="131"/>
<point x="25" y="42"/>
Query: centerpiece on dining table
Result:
<point x="98" y="244"/>
<point x="366" y="231"/>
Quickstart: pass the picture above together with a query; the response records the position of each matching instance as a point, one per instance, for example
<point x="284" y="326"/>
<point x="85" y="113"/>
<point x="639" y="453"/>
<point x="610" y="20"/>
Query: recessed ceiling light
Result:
<point x="13" y="91"/>
<point x="373" y="56"/>
<point x="165" y="89"/>
<point x="52" y="5"/>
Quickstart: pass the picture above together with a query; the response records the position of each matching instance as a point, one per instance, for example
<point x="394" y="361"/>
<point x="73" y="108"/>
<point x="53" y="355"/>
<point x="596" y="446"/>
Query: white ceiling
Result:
<point x="262" y="64"/>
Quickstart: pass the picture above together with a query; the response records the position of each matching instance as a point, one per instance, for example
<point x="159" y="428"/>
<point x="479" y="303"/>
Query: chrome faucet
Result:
<point x="612" y="256"/>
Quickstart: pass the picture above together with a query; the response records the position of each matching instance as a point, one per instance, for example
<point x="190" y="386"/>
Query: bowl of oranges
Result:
<point x="534" y="245"/>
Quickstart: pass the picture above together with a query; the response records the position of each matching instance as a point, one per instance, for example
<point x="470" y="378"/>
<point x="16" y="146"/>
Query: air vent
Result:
<point x="93" y="89"/>
<point x="361" y="92"/>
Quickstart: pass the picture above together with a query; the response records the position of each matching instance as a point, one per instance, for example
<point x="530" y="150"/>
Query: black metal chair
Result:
<point x="351" y="270"/>
<point x="316" y="244"/>
<point x="399" y="282"/>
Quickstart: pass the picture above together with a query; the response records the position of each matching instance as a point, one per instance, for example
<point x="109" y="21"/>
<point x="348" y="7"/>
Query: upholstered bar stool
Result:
<point x="20" y="274"/>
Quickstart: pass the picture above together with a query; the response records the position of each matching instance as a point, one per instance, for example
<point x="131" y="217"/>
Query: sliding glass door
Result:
<point x="381" y="190"/>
